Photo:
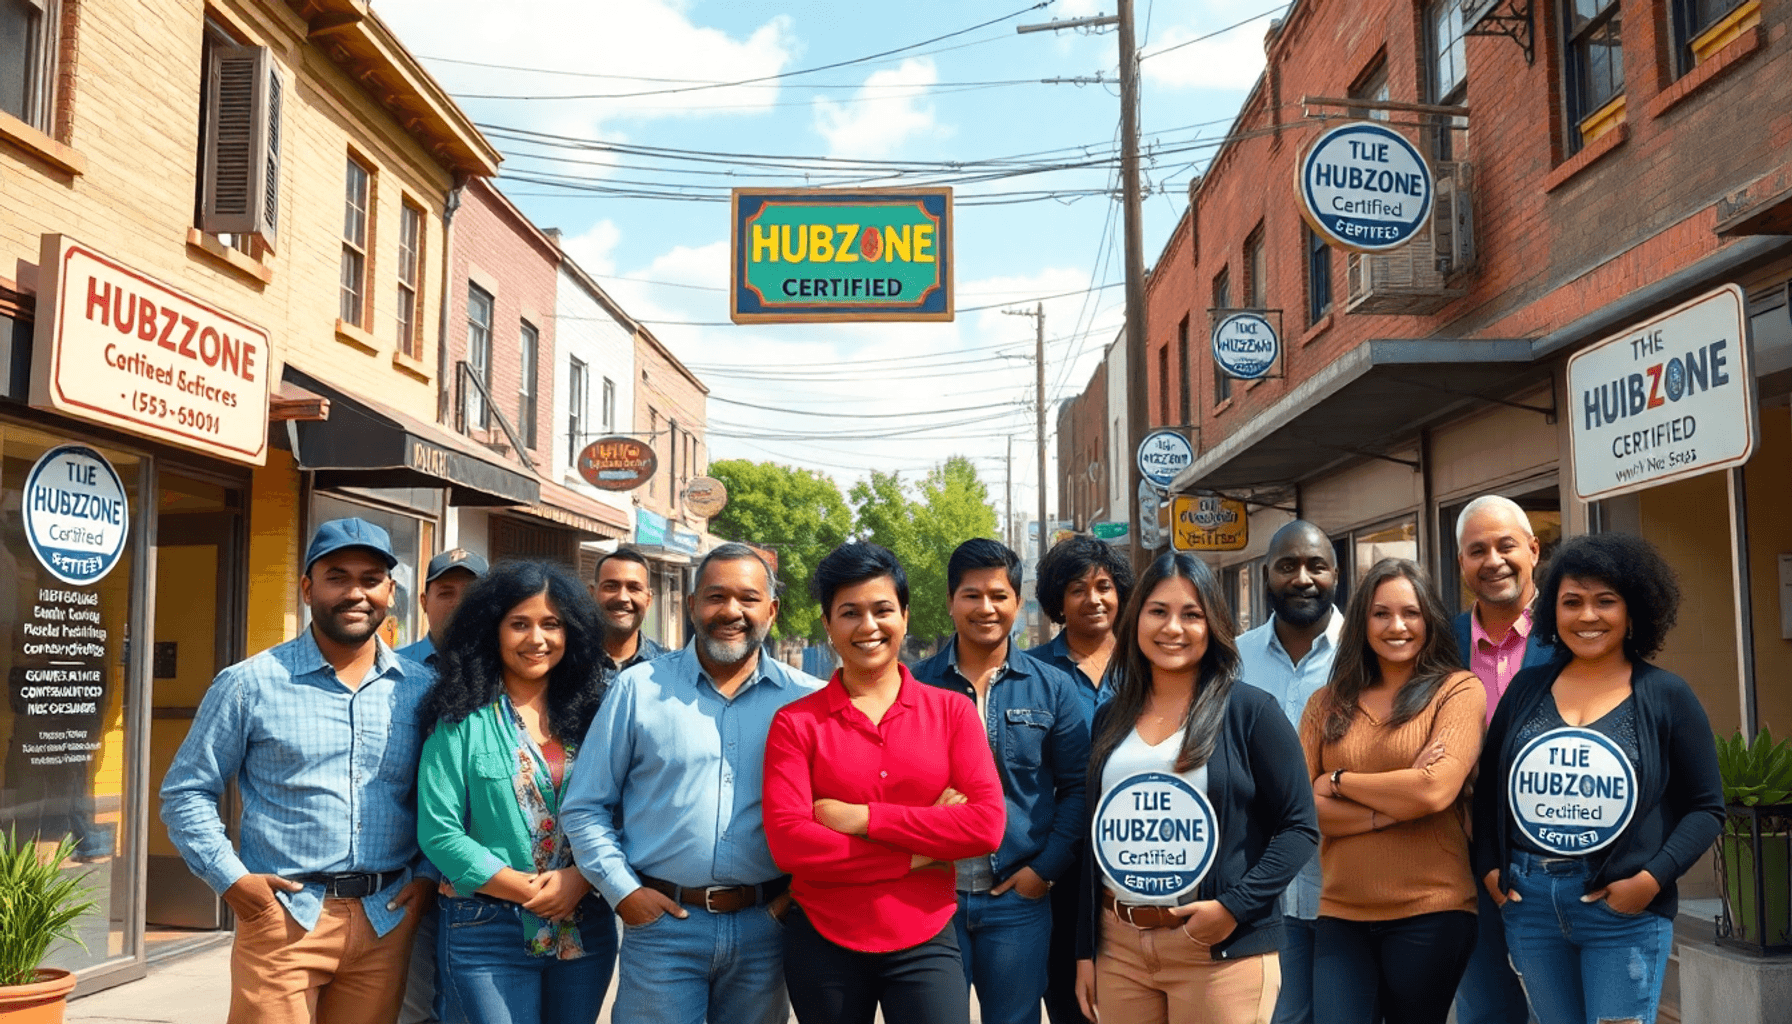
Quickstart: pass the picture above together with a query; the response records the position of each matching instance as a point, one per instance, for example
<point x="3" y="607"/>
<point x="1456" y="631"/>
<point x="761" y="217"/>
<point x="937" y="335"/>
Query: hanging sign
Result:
<point x="1668" y="399"/>
<point x="617" y="463"/>
<point x="706" y="496"/>
<point x="1572" y="791"/>
<point x="1163" y="454"/>
<point x="840" y="255"/>
<point x="1245" y="346"/>
<point x="1154" y="835"/>
<point x="76" y="514"/>
<point x="1208" y="522"/>
<point x="1365" y="188"/>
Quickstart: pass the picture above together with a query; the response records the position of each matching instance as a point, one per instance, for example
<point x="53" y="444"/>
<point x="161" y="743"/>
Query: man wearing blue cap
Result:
<point x="321" y="735"/>
<point x="447" y="578"/>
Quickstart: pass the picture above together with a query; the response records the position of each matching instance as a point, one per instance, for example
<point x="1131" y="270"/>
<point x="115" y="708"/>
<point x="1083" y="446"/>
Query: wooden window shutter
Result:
<point x="242" y="145"/>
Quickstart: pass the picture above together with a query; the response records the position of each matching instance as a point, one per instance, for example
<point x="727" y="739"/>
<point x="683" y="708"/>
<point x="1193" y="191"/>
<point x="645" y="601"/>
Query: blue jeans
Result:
<point x="720" y="968"/>
<point x="1490" y="992"/>
<point x="1003" y="942"/>
<point x="1581" y="962"/>
<point x="1294" y="1004"/>
<point x="486" y="976"/>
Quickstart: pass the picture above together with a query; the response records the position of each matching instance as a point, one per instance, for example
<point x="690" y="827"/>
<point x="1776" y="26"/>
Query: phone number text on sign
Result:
<point x="1154" y="836"/>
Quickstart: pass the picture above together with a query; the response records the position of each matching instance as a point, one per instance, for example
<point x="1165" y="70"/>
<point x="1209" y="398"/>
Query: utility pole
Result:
<point x="1038" y="315"/>
<point x="1008" y="496"/>
<point x="1137" y="383"/>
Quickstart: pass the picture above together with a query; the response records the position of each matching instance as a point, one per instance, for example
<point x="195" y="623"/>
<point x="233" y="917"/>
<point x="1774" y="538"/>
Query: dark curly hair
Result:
<point x="1070" y="560"/>
<point x="469" y="672"/>
<point x="1631" y="566"/>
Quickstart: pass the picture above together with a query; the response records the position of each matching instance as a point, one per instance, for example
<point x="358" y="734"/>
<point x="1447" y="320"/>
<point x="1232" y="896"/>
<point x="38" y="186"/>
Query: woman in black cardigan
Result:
<point x="1201" y="815"/>
<point x="1598" y="789"/>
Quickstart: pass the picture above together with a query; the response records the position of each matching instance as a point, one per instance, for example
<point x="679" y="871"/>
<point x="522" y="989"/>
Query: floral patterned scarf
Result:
<point x="539" y="800"/>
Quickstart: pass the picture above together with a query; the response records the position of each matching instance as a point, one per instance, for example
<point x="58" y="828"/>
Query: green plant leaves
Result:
<point x="39" y="904"/>
<point x="1755" y="772"/>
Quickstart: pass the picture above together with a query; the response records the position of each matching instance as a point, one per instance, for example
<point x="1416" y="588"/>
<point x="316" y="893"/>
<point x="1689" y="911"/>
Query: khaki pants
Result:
<point x="1161" y="976"/>
<point x="338" y="973"/>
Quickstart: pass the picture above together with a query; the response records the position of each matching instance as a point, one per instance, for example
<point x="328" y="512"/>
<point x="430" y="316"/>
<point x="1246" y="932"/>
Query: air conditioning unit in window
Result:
<point x="1422" y="276"/>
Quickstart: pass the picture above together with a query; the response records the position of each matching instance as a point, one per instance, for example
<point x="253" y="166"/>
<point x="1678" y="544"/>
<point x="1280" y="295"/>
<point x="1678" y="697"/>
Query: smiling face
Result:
<point x="983" y="607"/>
<point x="1302" y="580"/>
<point x="1498" y="556"/>
<point x="1091" y="602"/>
<point x="732" y="610"/>
<point x="866" y="625"/>
<point x="1173" y="626"/>
<point x="531" y="640"/>
<point x="1396" y="622"/>
<point x="441" y="596"/>
<point x="1591" y="618"/>
<point x="348" y="592"/>
<point x="623" y="594"/>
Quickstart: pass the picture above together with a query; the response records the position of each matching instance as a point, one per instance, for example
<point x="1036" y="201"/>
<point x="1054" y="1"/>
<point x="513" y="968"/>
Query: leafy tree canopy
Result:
<point x="922" y="523"/>
<point x="798" y="512"/>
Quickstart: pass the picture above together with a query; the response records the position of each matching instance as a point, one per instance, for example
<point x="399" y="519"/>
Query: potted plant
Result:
<point x="1755" y="849"/>
<point x="39" y="904"/>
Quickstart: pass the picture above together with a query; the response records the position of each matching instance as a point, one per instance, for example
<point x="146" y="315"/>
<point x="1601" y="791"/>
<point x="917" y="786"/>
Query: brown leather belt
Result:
<point x="1141" y="915"/>
<point x="720" y="899"/>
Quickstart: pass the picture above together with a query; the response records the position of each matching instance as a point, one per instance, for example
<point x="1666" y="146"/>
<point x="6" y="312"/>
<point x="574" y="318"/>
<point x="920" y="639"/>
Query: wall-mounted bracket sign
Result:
<point x="1670" y="398"/>
<point x="840" y="255"/>
<point x="1163" y="454"/>
<point x="617" y="463"/>
<point x="120" y="348"/>
<point x="1363" y="187"/>
<point x="1246" y="345"/>
<point x="706" y="496"/>
<point x="1208" y="522"/>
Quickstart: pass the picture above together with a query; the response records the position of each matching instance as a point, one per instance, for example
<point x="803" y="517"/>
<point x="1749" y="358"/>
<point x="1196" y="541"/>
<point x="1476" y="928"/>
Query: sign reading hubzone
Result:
<point x="1163" y="454"/>
<point x="1668" y="399"/>
<point x="1245" y="346"/>
<point x="841" y="255"/>
<point x="1208" y="522"/>
<point x="1572" y="791"/>
<point x="1364" y="187"/>
<point x="1154" y="835"/>
<point x="76" y="514"/>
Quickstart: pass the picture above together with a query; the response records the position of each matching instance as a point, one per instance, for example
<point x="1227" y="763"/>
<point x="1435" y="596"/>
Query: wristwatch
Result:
<point x="1337" y="773"/>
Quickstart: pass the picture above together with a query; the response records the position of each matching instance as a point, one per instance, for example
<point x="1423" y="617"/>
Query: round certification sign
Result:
<point x="76" y="514"/>
<point x="1245" y="346"/>
<point x="1154" y="835"/>
<point x="1572" y="791"/>
<point x="1364" y="187"/>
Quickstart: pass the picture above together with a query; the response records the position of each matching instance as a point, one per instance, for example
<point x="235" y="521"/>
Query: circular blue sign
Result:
<point x="1163" y="454"/>
<point x="1363" y="186"/>
<point x="1154" y="835"/>
<point x="1572" y="791"/>
<point x="1245" y="346"/>
<point x="77" y="516"/>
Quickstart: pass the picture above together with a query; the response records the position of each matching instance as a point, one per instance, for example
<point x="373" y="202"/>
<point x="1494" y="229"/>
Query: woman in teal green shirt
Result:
<point x="523" y="939"/>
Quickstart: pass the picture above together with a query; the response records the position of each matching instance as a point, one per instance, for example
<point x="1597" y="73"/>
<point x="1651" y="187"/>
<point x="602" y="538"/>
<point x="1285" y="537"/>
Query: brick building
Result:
<point x="671" y="414"/>
<point x="1083" y="456"/>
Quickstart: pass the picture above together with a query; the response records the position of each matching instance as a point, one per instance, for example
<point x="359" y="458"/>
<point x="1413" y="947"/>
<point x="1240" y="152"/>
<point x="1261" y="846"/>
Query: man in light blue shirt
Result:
<point x="1290" y="657"/>
<point x="666" y="821"/>
<point x="321" y="736"/>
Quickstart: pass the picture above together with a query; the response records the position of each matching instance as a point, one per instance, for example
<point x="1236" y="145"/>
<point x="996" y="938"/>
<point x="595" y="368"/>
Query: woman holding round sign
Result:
<point x="1203" y="818"/>
<point x="1390" y="741"/>
<point x="1599" y="789"/>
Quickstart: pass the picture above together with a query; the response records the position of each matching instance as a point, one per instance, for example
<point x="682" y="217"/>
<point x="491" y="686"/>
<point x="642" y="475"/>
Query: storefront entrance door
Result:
<point x="197" y="628"/>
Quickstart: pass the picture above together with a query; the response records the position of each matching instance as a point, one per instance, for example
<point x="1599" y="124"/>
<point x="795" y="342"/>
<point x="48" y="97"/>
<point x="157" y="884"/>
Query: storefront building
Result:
<point x="211" y="249"/>
<point x="671" y="414"/>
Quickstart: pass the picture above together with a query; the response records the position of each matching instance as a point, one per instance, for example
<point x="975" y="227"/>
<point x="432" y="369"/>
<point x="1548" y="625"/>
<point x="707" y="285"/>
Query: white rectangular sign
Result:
<point x="1667" y="399"/>
<point x="117" y="347"/>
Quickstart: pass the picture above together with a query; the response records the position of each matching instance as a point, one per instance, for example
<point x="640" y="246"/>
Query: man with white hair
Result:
<point x="1498" y="553"/>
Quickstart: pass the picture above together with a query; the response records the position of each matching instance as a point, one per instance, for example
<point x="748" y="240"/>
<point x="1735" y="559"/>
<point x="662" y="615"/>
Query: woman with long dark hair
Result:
<point x="523" y="939"/>
<point x="1203" y="818"/>
<point x="1390" y="742"/>
<point x="1599" y="789"/>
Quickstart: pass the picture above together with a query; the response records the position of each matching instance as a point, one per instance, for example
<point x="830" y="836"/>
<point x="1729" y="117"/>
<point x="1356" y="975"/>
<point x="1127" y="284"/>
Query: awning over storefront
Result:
<point x="566" y="507"/>
<point x="1365" y="404"/>
<point x="366" y="444"/>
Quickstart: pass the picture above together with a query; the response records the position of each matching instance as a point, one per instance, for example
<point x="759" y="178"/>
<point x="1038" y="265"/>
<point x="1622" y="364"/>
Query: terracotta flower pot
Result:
<point x="40" y="1002"/>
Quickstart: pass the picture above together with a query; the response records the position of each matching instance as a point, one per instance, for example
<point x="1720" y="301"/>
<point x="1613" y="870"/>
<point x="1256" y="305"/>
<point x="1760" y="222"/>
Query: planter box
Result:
<point x="1754" y="865"/>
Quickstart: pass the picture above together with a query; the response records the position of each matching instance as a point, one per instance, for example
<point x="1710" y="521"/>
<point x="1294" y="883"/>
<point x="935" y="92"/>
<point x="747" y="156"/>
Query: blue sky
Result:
<point x="666" y="261"/>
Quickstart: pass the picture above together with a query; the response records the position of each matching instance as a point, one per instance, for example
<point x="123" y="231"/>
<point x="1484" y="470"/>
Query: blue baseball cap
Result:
<point x="337" y="534"/>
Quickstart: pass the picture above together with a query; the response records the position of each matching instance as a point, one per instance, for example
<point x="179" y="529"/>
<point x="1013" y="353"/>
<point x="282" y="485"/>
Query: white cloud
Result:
<point x="885" y="115"/>
<point x="1232" y="61"/>
<point x="594" y="251"/>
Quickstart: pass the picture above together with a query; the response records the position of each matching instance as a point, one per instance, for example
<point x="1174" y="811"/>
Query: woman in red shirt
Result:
<point x="874" y="785"/>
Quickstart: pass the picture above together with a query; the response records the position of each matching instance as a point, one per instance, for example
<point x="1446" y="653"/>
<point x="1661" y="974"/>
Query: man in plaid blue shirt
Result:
<point x="321" y="735"/>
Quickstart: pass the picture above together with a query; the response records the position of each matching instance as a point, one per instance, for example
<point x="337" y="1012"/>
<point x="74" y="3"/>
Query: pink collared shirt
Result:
<point x="1495" y="663"/>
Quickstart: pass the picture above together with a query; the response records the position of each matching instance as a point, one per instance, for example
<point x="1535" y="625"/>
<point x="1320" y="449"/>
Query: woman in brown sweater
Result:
<point x="1390" y="742"/>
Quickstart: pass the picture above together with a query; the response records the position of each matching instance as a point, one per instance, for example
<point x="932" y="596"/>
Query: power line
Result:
<point x="1216" y="32"/>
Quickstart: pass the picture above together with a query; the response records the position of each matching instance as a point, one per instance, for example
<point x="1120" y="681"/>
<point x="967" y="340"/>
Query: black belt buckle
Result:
<point x="356" y="886"/>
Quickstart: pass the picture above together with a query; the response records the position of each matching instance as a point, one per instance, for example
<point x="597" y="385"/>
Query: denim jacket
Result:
<point x="1039" y="732"/>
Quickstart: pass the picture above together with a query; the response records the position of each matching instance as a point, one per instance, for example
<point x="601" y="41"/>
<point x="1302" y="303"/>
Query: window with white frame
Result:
<point x="528" y="350"/>
<point x="609" y="405"/>
<point x="410" y="280"/>
<point x="577" y="387"/>
<point x="356" y="202"/>
<point x="479" y="355"/>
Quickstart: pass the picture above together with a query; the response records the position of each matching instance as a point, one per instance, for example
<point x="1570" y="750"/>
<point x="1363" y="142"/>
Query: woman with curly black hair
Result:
<point x="1598" y="789"/>
<point x="523" y="939"/>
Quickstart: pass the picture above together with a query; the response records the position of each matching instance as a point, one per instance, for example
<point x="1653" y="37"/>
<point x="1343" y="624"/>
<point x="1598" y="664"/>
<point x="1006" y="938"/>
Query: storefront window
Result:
<point x="1397" y="539"/>
<point x="68" y="769"/>
<point x="413" y="541"/>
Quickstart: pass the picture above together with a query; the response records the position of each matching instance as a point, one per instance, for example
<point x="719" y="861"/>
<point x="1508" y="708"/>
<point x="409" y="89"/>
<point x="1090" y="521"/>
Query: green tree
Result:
<point x="922" y="524"/>
<point x="798" y="512"/>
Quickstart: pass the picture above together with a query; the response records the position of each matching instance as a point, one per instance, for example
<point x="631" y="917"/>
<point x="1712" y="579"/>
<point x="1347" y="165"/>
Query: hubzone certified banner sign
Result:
<point x="76" y="514"/>
<point x="1245" y="345"/>
<point x="1572" y="791"/>
<point x="117" y="347"/>
<point x="841" y="255"/>
<point x="1668" y="399"/>
<point x="1163" y="454"/>
<point x="1364" y="187"/>
<point x="1154" y="835"/>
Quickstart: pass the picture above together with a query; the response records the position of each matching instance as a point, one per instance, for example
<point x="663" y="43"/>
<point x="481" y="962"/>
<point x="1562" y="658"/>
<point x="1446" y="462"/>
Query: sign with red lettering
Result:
<point x="617" y="463"/>
<point x="117" y="347"/>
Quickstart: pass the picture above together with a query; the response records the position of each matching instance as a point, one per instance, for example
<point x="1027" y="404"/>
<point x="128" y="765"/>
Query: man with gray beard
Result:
<point x="666" y="820"/>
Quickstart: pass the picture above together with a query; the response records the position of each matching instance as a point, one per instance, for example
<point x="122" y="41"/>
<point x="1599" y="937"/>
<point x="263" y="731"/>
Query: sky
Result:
<point x="949" y="88"/>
